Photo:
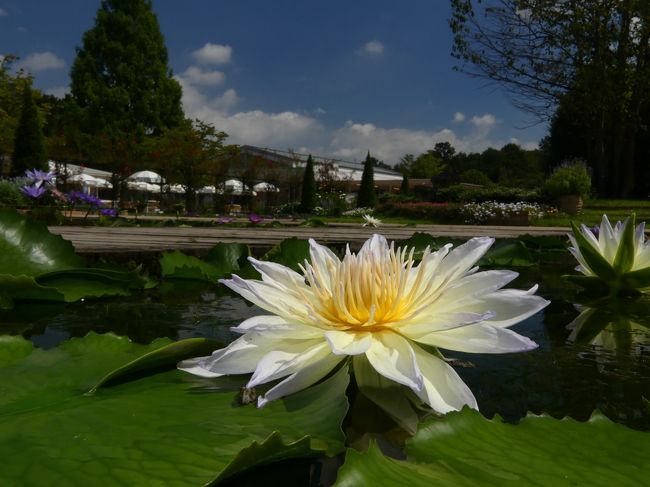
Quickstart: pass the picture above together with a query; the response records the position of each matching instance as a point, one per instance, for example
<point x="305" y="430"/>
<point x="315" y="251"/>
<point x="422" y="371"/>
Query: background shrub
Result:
<point x="10" y="195"/>
<point x="570" y="177"/>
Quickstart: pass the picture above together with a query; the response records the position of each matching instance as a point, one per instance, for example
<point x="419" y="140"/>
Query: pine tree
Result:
<point x="367" y="198"/>
<point x="404" y="188"/>
<point x="308" y="200"/>
<point x="29" y="144"/>
<point x="121" y="78"/>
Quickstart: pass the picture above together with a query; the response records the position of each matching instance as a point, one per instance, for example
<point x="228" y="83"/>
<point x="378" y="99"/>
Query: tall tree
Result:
<point x="11" y="90"/>
<point x="29" y="144"/>
<point x="308" y="198"/>
<point x="123" y="84"/>
<point x="367" y="197"/>
<point x="593" y="56"/>
<point x="121" y="76"/>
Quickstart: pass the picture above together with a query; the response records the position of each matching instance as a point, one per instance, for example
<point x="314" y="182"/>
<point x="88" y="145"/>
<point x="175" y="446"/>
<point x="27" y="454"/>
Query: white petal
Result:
<point x="462" y="258"/>
<point x="479" y="338"/>
<point x="278" y="274"/>
<point x="474" y="285"/>
<point x="268" y="297"/>
<point x="324" y="262"/>
<point x="301" y="379"/>
<point x="510" y="306"/>
<point x="277" y="327"/>
<point x="440" y="322"/>
<point x="443" y="389"/>
<point x="348" y="343"/>
<point x="240" y="357"/>
<point x="392" y="356"/>
<point x="286" y="360"/>
<point x="376" y="245"/>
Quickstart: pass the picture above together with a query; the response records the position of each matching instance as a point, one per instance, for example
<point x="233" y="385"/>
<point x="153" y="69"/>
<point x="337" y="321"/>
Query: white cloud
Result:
<point x="213" y="54"/>
<point x="3" y="12"/>
<point x="459" y="117"/>
<point x="484" y="122"/>
<point x="58" y="91"/>
<point x="307" y="134"/>
<point x="41" y="61"/>
<point x="199" y="76"/>
<point x="321" y="111"/>
<point x="372" y="48"/>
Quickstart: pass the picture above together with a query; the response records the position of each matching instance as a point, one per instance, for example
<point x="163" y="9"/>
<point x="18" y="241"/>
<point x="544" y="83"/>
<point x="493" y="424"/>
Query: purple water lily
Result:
<point x="80" y="197"/>
<point x="255" y="218"/>
<point x="33" y="192"/>
<point x="39" y="177"/>
<point x="109" y="212"/>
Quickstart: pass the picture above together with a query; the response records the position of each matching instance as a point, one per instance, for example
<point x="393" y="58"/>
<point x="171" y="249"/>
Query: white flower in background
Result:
<point x="371" y="221"/>
<point x="377" y="306"/>
<point x="614" y="260"/>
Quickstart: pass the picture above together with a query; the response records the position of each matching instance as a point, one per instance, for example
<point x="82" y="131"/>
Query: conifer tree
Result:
<point x="404" y="188"/>
<point x="121" y="78"/>
<point x="367" y="198"/>
<point x="308" y="200"/>
<point x="29" y="144"/>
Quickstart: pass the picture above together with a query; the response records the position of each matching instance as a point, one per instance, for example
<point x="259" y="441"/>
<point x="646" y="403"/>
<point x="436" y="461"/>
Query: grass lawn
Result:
<point x="593" y="212"/>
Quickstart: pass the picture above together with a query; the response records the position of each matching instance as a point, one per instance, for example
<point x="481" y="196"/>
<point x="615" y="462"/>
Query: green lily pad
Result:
<point x="464" y="448"/>
<point x="25" y="288"/>
<point x="177" y="265"/>
<point x="290" y="253"/>
<point x="28" y="248"/>
<point x="164" y="429"/>
<point x="508" y="253"/>
<point x="228" y="257"/>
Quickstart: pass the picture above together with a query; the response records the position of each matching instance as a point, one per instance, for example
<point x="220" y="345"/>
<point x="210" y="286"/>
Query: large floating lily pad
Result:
<point x="163" y="429"/>
<point x="466" y="449"/>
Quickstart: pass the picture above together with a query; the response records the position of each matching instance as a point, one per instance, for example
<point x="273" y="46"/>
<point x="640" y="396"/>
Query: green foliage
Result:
<point x="465" y="449"/>
<point x="39" y="266"/>
<point x="367" y="197"/>
<point x="430" y="212"/>
<point x="570" y="178"/>
<point x="404" y="187"/>
<point x="475" y="176"/>
<point x="308" y="199"/>
<point x="502" y="194"/>
<point x="149" y="429"/>
<point x="29" y="144"/>
<point x="121" y="76"/>
<point x="10" y="195"/>
<point x="11" y="89"/>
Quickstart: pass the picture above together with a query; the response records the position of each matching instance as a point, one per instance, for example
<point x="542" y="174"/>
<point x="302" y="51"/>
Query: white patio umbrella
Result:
<point x="90" y="181"/>
<point x="142" y="186"/>
<point x="208" y="190"/>
<point x="147" y="177"/>
<point x="264" y="187"/>
<point x="234" y="186"/>
<point x="174" y="188"/>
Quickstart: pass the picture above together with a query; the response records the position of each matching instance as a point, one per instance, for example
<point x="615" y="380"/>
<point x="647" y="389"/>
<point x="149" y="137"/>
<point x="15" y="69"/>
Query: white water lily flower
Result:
<point x="378" y="304"/>
<point x="613" y="259"/>
<point x="371" y="221"/>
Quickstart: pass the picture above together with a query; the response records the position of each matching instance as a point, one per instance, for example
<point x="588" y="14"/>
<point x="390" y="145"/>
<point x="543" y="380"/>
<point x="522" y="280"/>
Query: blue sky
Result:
<point x="335" y="78"/>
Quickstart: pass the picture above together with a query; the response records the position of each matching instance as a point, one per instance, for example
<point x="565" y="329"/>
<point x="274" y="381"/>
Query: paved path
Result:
<point x="98" y="240"/>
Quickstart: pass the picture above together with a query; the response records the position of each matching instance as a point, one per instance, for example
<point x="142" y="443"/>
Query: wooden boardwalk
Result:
<point x="197" y="240"/>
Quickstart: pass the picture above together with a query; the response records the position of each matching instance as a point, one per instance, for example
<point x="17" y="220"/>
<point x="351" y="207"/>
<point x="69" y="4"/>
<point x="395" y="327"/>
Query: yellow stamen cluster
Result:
<point x="368" y="292"/>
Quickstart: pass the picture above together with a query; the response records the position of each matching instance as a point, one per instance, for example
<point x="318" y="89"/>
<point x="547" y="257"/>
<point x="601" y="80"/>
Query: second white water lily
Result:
<point x="378" y="306"/>
<point x="613" y="260"/>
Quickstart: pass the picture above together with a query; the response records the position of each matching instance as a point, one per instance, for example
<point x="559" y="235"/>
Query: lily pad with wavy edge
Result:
<point x="464" y="448"/>
<point x="28" y="248"/>
<point x="164" y="429"/>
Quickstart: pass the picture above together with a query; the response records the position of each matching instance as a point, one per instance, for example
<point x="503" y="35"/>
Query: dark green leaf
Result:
<point x="170" y="428"/>
<point x="165" y="357"/>
<point x="593" y="257"/>
<point x="625" y="253"/>
<point x="25" y="288"/>
<point x="508" y="253"/>
<point x="290" y="253"/>
<point x="638" y="279"/>
<point x="76" y="284"/>
<point x="28" y="248"/>
<point x="177" y="265"/>
<point x="591" y="284"/>
<point x="228" y="258"/>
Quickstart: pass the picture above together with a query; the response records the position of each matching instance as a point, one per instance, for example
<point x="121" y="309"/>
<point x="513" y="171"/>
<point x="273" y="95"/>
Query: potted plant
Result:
<point x="568" y="184"/>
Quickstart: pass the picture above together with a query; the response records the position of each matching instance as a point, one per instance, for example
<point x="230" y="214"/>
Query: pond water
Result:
<point x="586" y="360"/>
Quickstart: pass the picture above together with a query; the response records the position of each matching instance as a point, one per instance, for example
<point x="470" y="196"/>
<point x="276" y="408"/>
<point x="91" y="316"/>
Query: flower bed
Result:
<point x="495" y="213"/>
